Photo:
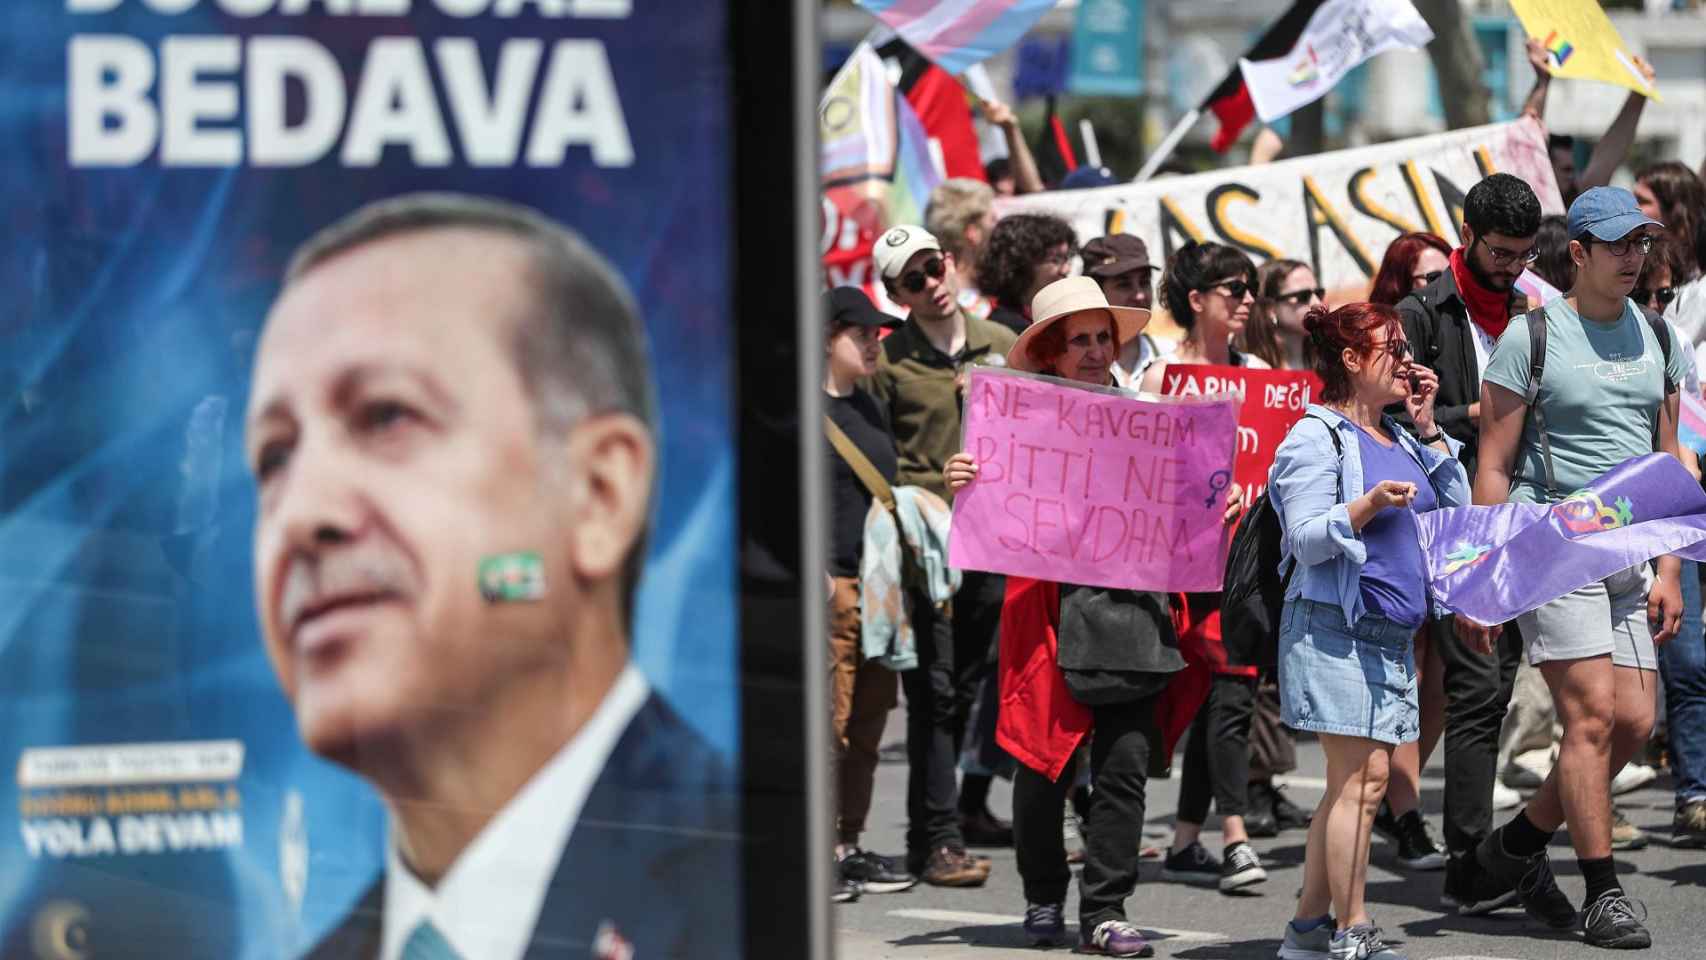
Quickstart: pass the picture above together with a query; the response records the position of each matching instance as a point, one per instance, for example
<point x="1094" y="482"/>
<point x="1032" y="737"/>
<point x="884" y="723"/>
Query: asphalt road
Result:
<point x="928" y="923"/>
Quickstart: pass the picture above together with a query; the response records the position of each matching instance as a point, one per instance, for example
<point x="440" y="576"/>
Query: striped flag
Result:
<point x="958" y="33"/>
<point x="876" y="167"/>
<point x="1691" y="423"/>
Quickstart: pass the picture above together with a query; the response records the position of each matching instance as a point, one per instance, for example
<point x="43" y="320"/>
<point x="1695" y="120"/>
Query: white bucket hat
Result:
<point x="1062" y="299"/>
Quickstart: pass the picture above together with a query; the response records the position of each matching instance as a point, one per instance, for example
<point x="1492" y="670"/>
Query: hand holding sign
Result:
<point x="1091" y="486"/>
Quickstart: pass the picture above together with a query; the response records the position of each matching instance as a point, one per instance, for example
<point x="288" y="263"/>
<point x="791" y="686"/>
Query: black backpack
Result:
<point x="1251" y="595"/>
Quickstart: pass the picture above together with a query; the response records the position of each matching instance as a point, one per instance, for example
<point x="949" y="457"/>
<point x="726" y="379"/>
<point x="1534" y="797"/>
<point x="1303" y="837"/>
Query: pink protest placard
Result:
<point x="1094" y="486"/>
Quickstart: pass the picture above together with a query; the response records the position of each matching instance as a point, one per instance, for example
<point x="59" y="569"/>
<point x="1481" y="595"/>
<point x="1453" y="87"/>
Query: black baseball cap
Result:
<point x="849" y="307"/>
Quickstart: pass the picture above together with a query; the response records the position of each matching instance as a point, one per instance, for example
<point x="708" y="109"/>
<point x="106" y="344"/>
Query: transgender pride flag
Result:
<point x="958" y="33"/>
<point x="1691" y="423"/>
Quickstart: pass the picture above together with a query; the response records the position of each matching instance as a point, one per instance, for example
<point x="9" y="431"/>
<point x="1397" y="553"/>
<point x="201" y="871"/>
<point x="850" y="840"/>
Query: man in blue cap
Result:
<point x="1604" y="391"/>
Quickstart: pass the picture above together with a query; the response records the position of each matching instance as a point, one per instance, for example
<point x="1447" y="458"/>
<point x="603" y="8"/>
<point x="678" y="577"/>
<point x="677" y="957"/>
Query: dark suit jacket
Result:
<point x="1436" y="321"/>
<point x="655" y="853"/>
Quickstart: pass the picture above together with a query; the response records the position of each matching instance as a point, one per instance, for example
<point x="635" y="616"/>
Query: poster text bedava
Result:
<point x="279" y="100"/>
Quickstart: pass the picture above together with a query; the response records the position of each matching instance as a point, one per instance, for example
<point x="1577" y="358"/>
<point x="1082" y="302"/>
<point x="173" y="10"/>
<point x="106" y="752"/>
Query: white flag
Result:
<point x="1340" y="35"/>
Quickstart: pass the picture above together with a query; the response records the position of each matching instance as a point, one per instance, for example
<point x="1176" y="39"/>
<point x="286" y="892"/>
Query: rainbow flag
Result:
<point x="873" y="144"/>
<point x="958" y="33"/>
<point x="1559" y="48"/>
<point x="1691" y="423"/>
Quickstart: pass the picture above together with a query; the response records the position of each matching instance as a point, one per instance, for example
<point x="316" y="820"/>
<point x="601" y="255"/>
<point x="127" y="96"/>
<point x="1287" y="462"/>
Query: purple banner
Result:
<point x="1491" y="564"/>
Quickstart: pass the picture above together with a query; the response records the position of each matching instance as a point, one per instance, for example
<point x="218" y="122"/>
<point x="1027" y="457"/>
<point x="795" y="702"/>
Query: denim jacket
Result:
<point x="1309" y="488"/>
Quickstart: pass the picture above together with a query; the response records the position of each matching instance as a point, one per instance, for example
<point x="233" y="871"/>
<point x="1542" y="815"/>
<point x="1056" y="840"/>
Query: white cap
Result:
<point x="897" y="245"/>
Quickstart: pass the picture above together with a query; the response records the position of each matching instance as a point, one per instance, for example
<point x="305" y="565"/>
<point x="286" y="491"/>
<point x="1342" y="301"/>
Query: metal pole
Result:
<point x="1168" y="144"/>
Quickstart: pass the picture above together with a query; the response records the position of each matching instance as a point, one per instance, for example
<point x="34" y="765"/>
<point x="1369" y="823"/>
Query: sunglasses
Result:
<point x="913" y="281"/>
<point x="1428" y="277"/>
<point x="1400" y="349"/>
<point x="1236" y="289"/>
<point x="1301" y="297"/>
<point x="1083" y="340"/>
<point x="1664" y="295"/>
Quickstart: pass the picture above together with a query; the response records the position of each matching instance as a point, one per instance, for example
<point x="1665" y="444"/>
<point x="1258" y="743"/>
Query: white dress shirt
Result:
<point x="488" y="903"/>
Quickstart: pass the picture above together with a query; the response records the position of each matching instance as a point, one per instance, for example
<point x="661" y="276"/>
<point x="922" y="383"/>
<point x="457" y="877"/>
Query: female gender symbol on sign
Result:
<point x="1219" y="480"/>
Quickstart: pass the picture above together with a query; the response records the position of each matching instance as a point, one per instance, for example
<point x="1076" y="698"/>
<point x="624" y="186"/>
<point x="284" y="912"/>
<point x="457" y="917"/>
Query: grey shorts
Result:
<point x="1605" y="617"/>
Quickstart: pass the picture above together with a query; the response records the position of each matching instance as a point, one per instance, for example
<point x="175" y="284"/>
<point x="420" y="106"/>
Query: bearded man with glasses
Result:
<point x="1453" y="323"/>
<point x="918" y="385"/>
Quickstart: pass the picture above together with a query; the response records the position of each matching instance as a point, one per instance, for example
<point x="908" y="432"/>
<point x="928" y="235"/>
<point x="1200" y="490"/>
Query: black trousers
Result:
<point x="1477" y="693"/>
<point x="977" y="638"/>
<point x="1217" y="751"/>
<point x="940" y="692"/>
<point x="1121" y="740"/>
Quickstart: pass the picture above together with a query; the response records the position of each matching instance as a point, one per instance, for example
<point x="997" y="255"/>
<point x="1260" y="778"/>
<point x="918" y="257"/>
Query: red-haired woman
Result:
<point x="1346" y="485"/>
<point x="1412" y="261"/>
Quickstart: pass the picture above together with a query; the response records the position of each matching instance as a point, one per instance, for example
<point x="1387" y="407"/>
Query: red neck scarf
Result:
<point x="1488" y="309"/>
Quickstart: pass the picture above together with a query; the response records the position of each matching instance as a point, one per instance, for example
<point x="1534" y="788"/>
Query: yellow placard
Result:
<point x="1581" y="43"/>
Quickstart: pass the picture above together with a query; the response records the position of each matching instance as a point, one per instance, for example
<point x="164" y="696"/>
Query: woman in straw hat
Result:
<point x="1076" y="336"/>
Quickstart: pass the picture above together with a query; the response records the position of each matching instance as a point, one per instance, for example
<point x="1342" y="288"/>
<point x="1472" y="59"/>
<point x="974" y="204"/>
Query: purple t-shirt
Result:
<point x="1394" y="580"/>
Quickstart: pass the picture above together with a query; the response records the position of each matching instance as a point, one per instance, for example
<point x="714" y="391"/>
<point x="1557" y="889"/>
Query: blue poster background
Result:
<point x="132" y="300"/>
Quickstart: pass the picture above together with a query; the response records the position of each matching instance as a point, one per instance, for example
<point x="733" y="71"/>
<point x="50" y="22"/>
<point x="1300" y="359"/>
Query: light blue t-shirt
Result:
<point x="1601" y="391"/>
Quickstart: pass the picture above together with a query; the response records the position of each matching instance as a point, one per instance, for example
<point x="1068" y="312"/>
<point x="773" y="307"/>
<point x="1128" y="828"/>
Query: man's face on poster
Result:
<point x="395" y="445"/>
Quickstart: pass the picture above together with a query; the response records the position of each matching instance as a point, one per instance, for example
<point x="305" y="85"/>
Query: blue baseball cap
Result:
<point x="1608" y="213"/>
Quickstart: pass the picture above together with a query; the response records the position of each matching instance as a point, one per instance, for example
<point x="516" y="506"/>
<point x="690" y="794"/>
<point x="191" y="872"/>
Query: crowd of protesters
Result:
<point x="1432" y="398"/>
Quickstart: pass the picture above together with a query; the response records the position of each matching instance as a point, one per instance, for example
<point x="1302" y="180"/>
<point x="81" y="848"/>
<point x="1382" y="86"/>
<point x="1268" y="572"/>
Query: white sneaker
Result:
<point x="1633" y="776"/>
<point x="1527" y="771"/>
<point x="1504" y="798"/>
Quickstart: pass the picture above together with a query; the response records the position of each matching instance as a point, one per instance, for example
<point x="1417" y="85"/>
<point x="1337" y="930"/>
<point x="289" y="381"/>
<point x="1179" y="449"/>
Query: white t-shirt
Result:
<point x="1688" y="310"/>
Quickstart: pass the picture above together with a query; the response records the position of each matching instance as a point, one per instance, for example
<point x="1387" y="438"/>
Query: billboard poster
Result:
<point x="295" y="557"/>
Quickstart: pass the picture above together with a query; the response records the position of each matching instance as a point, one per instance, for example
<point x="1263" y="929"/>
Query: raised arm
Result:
<point x="1608" y="154"/>
<point x="1535" y="105"/>
<point x="1026" y="179"/>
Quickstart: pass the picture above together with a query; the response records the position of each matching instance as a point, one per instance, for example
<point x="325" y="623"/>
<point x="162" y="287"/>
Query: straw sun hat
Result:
<point x="1062" y="299"/>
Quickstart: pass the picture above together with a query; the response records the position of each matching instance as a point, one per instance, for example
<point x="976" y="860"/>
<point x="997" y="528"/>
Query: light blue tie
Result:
<point x="426" y="943"/>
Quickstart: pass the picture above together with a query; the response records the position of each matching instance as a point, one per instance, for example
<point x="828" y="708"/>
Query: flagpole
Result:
<point x="1168" y="145"/>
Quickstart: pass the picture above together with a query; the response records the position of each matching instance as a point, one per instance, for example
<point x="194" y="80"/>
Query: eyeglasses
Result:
<point x="1301" y="297"/>
<point x="1083" y="340"/>
<point x="1060" y="259"/>
<point x="1664" y="295"/>
<point x="1501" y="256"/>
<point x="1619" y="248"/>
<point x="1428" y="277"/>
<point x="913" y="281"/>
<point x="1236" y="289"/>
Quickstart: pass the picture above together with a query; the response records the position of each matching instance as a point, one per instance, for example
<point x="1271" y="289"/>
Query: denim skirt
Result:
<point x="1353" y="681"/>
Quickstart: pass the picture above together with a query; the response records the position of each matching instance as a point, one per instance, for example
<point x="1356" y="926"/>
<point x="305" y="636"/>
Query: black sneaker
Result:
<point x="843" y="890"/>
<point x="1045" y="923"/>
<point x="1289" y="815"/>
<point x="1416" y="847"/>
<point x="1241" y="869"/>
<point x="1386" y="824"/>
<point x="1194" y="865"/>
<point x="1471" y="889"/>
<point x="1533" y="880"/>
<point x="876" y="873"/>
<point x="1610" y="922"/>
<point x="1259" y="820"/>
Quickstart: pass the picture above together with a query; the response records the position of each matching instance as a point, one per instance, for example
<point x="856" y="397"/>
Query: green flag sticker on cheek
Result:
<point x="512" y="578"/>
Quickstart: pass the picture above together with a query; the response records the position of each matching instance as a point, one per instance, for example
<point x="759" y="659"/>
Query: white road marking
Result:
<point x="1320" y="783"/>
<point x="972" y="916"/>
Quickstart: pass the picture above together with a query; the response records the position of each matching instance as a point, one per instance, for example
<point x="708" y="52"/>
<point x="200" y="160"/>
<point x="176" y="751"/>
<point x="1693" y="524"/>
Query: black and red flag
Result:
<point x="1230" y="101"/>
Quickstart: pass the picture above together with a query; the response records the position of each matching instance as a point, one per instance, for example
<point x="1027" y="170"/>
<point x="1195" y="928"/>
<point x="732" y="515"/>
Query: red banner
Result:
<point x="1273" y="401"/>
